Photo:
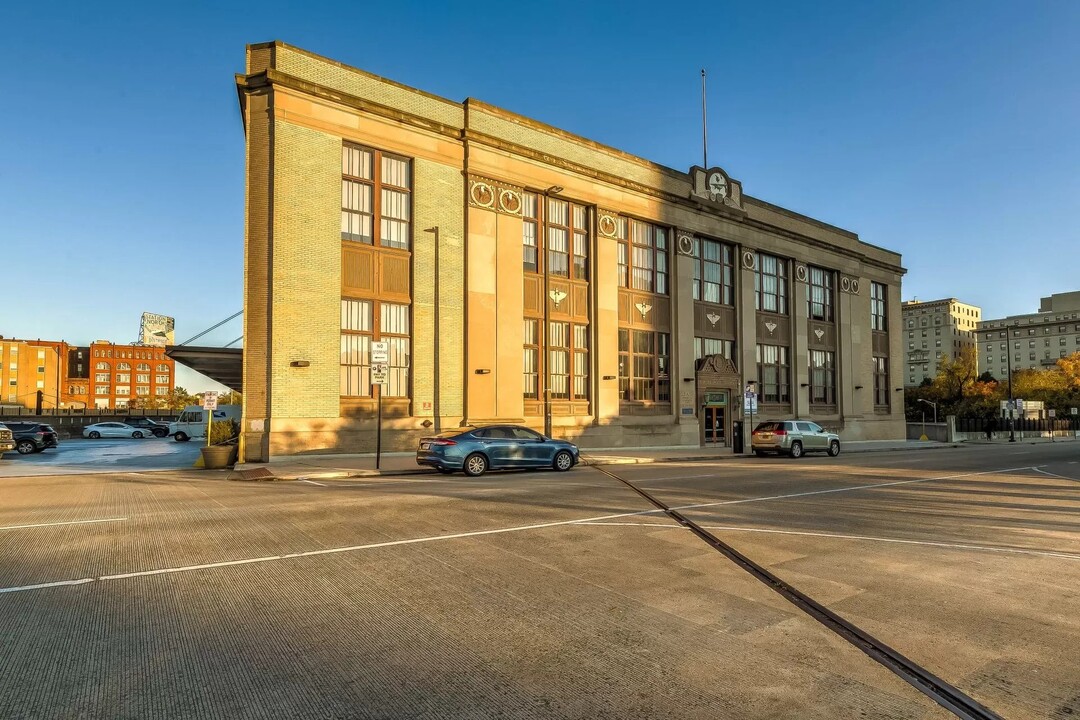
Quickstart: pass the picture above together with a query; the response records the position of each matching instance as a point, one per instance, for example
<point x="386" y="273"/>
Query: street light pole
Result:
<point x="1012" y="401"/>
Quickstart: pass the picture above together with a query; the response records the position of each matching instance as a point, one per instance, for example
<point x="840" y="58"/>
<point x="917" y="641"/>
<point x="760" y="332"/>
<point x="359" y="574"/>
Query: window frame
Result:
<point x="653" y="242"/>
<point x="825" y="288"/>
<point x="631" y="382"/>
<point x="780" y="275"/>
<point x="822" y="393"/>
<point x="726" y="270"/>
<point x="782" y="393"/>
<point x="879" y="294"/>
<point x="378" y="187"/>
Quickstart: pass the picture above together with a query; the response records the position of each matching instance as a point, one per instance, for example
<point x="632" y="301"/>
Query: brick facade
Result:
<point x="472" y="166"/>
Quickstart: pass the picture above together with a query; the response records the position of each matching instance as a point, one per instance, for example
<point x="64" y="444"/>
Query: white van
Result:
<point x="192" y="421"/>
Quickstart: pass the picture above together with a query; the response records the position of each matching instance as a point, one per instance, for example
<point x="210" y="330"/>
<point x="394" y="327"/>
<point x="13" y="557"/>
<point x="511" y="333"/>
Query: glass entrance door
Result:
<point x="714" y="425"/>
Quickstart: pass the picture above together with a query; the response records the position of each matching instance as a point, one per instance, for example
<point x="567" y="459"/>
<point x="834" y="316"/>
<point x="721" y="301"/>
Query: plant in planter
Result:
<point x="222" y="451"/>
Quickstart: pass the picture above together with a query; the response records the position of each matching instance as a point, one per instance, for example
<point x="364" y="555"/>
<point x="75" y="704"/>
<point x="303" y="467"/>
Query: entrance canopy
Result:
<point x="222" y="364"/>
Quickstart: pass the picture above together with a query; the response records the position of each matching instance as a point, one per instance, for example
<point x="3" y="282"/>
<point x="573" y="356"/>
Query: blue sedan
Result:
<point x="494" y="447"/>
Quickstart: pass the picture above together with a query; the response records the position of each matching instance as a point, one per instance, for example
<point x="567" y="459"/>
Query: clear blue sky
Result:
<point x="945" y="131"/>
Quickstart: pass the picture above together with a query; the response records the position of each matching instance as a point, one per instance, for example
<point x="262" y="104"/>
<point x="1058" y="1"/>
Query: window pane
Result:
<point x="395" y="171"/>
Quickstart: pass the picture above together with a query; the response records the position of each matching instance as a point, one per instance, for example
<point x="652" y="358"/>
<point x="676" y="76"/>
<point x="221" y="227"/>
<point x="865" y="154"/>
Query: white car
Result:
<point x="113" y="430"/>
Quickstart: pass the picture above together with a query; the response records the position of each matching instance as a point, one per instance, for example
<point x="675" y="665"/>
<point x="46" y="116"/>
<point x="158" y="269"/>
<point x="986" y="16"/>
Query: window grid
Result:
<point x="822" y="377"/>
<point x="714" y="272"/>
<point x="565" y="228"/>
<point x="643" y="256"/>
<point x="375" y="186"/>
<point x="877" y="307"/>
<point x="644" y="365"/>
<point x="819" y="294"/>
<point x="774" y="373"/>
<point x="770" y="284"/>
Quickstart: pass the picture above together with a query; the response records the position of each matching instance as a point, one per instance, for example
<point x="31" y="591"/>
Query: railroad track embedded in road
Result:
<point x="948" y="696"/>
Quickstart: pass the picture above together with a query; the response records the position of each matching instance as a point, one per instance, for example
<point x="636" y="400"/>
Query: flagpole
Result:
<point x="704" y="126"/>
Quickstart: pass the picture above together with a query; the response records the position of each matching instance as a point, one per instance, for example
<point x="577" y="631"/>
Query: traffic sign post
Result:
<point x="209" y="404"/>
<point x="379" y="357"/>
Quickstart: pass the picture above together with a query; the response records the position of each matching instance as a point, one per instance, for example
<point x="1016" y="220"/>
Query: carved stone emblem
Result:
<point x="770" y="326"/>
<point x="607" y="226"/>
<point x="712" y="318"/>
<point x="845" y="284"/>
<point x="482" y="194"/>
<point x="800" y="273"/>
<point x="686" y="244"/>
<point x="820" y="333"/>
<point x="748" y="259"/>
<point x="643" y="308"/>
<point x="854" y="286"/>
<point x="510" y="202"/>
<point x="557" y="296"/>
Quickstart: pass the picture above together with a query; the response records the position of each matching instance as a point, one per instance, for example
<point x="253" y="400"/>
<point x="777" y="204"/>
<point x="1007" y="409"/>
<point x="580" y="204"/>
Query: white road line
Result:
<point x="325" y="551"/>
<point x="1063" y="477"/>
<point x="955" y="546"/>
<point x="475" y="533"/>
<point x="69" y="522"/>
<point x="846" y="489"/>
<point x="312" y="482"/>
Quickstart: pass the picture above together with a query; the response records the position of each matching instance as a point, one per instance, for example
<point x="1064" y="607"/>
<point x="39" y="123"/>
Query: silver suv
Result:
<point x="793" y="437"/>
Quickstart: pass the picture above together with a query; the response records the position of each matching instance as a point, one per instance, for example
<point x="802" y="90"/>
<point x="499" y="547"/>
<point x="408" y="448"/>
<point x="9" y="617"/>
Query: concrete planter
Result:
<point x="217" y="457"/>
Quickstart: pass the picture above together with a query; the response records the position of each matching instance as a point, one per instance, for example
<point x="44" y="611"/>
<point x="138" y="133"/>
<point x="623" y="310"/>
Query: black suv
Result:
<point x="32" y="437"/>
<point x="158" y="429"/>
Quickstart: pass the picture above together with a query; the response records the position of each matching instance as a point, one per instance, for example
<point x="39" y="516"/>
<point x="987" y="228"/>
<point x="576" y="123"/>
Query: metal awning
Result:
<point x="226" y="365"/>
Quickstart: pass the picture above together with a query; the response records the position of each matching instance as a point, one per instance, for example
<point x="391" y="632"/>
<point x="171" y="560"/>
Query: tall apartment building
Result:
<point x="1035" y="340"/>
<point x="100" y="375"/>
<point x="934" y="330"/>
<point x="519" y="273"/>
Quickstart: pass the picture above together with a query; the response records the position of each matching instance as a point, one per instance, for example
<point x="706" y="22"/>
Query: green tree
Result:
<point x="955" y="375"/>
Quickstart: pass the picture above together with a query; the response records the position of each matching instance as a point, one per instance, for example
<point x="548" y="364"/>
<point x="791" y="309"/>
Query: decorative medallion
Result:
<point x="800" y="273"/>
<point x="557" y="296"/>
<point x="770" y="326"/>
<point x="854" y="286"/>
<point x="845" y="284"/>
<point x="820" y="333"/>
<point x="643" y="308"/>
<point x="686" y="244"/>
<point x="482" y="194"/>
<point x="712" y="318"/>
<point x="607" y="225"/>
<point x="509" y="201"/>
<point x="748" y="259"/>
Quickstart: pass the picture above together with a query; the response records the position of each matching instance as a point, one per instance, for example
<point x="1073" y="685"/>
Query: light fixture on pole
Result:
<point x="435" y="410"/>
<point x="934" y="404"/>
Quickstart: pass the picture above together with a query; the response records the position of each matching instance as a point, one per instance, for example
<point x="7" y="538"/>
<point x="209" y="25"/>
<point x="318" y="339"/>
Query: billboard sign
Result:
<point x="157" y="330"/>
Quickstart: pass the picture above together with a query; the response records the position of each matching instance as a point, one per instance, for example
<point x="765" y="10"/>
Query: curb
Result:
<point x="585" y="461"/>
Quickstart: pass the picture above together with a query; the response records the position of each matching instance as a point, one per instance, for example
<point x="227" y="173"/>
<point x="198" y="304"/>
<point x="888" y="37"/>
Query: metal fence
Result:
<point x="1045" y="425"/>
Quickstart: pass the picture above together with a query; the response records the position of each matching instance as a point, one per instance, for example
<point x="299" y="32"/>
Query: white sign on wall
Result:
<point x="380" y="352"/>
<point x="209" y="400"/>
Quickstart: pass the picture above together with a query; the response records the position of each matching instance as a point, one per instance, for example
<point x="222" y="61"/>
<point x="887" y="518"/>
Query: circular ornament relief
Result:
<point x="482" y="194"/>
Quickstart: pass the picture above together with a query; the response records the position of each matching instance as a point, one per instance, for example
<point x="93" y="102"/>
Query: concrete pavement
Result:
<point x="338" y="466"/>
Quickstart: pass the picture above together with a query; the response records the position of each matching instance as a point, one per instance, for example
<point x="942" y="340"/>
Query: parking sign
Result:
<point x="209" y="400"/>
<point x="380" y="352"/>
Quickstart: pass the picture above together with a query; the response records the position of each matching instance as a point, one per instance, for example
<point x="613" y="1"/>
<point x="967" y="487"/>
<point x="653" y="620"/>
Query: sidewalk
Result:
<point x="336" y="467"/>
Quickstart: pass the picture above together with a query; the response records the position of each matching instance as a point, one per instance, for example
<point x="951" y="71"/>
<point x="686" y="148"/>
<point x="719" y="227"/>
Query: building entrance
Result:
<point x="714" y="426"/>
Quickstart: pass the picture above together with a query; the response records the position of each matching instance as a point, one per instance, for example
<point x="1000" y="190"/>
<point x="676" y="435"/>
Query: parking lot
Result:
<point x="538" y="594"/>
<point x="81" y="455"/>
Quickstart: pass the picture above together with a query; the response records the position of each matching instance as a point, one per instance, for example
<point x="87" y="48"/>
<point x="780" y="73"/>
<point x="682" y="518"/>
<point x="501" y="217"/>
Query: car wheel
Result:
<point x="137" y="435"/>
<point x="563" y="461"/>
<point x="834" y="448"/>
<point x="796" y="449"/>
<point x="25" y="447"/>
<point x="181" y="437"/>
<point x="475" y="465"/>
<point x="160" y="433"/>
<point x="94" y="435"/>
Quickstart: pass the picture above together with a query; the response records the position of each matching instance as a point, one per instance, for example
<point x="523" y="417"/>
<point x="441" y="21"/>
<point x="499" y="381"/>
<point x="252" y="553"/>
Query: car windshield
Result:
<point x="767" y="426"/>
<point x="454" y="433"/>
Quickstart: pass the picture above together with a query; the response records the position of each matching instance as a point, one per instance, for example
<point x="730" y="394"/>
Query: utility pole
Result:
<point x="1012" y="401"/>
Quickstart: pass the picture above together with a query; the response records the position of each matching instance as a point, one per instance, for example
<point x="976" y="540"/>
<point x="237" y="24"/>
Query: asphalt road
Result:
<point x="80" y="455"/>
<point x="540" y="595"/>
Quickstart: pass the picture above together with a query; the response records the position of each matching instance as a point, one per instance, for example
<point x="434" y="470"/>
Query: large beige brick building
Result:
<point x="1038" y="340"/>
<point x="936" y="330"/>
<point x="521" y="273"/>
